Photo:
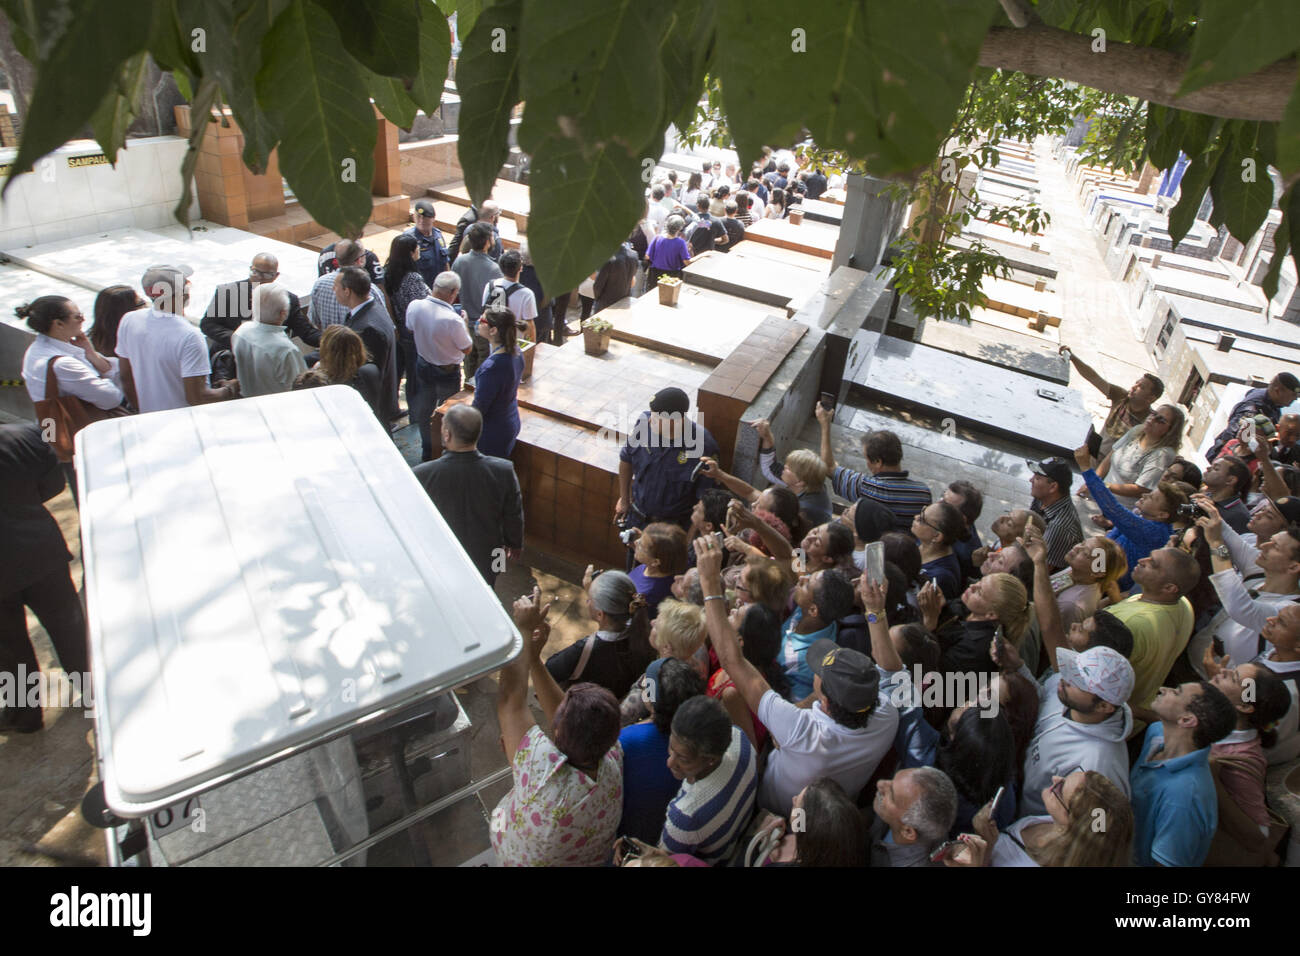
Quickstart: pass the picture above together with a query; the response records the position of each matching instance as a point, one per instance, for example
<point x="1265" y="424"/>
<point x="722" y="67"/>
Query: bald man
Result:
<point x="232" y="305"/>
<point x="477" y="495"/>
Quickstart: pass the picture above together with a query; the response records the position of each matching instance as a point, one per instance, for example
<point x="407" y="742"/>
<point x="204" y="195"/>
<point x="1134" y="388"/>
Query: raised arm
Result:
<point x="824" y="418"/>
<point x="883" y="651"/>
<point x="737" y="486"/>
<point x="1094" y="378"/>
<point x="726" y="642"/>
<point x="780" y="548"/>
<point x="1273" y="485"/>
<point x="530" y="617"/>
<point x="1049" y="612"/>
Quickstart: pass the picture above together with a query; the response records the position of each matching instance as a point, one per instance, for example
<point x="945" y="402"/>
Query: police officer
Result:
<point x="433" y="252"/>
<point x="657" y="462"/>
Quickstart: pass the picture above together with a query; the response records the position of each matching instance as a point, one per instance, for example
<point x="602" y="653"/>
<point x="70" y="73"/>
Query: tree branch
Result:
<point x="1144" y="72"/>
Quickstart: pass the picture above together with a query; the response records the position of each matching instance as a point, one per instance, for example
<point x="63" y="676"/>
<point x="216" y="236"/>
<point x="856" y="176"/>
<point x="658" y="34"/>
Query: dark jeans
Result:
<point x="55" y="602"/>
<point x="437" y="383"/>
<point x="406" y="359"/>
<point x="560" y="311"/>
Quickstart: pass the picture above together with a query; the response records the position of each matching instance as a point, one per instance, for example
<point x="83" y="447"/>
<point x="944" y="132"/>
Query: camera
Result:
<point x="1191" y="512"/>
<point x="628" y="535"/>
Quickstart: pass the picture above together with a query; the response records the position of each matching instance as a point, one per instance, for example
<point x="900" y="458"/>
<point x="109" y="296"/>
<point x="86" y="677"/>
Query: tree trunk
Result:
<point x="1142" y="72"/>
<point x="21" y="74"/>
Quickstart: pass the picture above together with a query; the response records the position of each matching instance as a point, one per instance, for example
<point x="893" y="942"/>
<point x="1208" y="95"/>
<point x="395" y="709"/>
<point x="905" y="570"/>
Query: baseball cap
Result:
<point x="424" y="207"/>
<point x="164" y="273"/>
<point x="1054" y="468"/>
<point x="1289" y="508"/>
<point x="848" y="677"/>
<point x="1101" y="671"/>
<point x="670" y="399"/>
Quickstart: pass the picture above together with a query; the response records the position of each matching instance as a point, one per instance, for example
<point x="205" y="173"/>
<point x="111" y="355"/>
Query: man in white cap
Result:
<point x="164" y="358"/>
<point x="1083" y="722"/>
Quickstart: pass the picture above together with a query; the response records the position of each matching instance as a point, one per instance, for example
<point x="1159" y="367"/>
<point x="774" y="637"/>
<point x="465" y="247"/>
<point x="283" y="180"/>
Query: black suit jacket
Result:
<point x="232" y="304"/>
<point x="30" y="475"/>
<point x="375" y="326"/>
<point x="478" y="496"/>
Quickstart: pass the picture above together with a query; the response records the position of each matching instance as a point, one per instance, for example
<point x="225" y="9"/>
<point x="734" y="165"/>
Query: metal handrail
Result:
<point x="406" y="822"/>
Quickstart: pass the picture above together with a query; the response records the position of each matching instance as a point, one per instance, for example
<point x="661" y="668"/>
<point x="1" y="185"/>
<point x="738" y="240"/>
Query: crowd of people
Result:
<point x="881" y="687"/>
<point x="771" y="679"/>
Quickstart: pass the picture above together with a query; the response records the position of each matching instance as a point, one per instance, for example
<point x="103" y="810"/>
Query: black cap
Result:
<point x="848" y="677"/>
<point x="424" y="206"/>
<point x="1288" y="508"/>
<point x="1287" y="380"/>
<point x="670" y="400"/>
<point x="1054" y="468"/>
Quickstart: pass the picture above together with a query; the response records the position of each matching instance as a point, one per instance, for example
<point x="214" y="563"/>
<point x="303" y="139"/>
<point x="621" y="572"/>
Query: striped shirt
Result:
<point x="903" y="496"/>
<point x="707" y="817"/>
<point x="327" y="310"/>
<point x="1063" y="530"/>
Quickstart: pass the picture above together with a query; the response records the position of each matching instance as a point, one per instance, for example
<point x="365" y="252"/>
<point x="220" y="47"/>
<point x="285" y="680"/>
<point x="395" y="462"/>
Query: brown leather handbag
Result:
<point x="62" y="416"/>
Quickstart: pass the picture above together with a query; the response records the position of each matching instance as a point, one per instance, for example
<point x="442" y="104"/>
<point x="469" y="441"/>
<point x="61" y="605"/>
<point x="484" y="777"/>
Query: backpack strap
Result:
<point x="588" y="646"/>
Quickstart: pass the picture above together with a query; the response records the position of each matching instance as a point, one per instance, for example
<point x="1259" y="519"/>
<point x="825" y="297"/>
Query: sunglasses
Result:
<point x="1058" y="787"/>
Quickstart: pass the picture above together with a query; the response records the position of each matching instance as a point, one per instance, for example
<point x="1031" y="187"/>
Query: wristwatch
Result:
<point x="872" y="617"/>
<point x="1222" y="551"/>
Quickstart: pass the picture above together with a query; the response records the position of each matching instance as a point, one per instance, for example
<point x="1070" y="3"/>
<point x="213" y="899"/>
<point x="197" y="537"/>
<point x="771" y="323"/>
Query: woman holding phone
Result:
<point x="1067" y="836"/>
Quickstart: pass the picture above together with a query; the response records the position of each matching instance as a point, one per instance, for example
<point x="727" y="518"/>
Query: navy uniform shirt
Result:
<point x="433" y="254"/>
<point x="661" y="475"/>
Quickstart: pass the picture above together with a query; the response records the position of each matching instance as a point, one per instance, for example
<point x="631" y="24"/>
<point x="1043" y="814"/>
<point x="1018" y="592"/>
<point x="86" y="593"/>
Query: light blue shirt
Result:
<point x="1175" y="808"/>
<point x="794" y="654"/>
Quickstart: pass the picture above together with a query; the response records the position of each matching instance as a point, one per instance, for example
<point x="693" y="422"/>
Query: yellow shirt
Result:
<point x="1160" y="634"/>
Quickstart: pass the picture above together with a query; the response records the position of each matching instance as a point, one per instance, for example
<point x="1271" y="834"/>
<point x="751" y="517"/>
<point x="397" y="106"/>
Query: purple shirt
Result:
<point x="668" y="254"/>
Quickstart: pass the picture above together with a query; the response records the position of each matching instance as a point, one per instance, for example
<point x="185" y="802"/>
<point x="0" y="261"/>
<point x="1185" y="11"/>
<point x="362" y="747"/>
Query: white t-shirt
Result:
<point x="73" y="373"/>
<point x="1007" y="851"/>
<point x="439" y="331"/>
<point x="163" y="348"/>
<point x="521" y="303"/>
<point x="812" y="745"/>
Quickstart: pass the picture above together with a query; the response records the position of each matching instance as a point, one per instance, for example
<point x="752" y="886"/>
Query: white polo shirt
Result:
<point x="439" y="331"/>
<point x="163" y="348"/>
<point x="812" y="745"/>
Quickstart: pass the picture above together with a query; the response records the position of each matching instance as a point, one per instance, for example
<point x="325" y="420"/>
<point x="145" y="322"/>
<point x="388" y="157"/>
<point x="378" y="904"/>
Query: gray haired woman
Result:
<point x="619" y="652"/>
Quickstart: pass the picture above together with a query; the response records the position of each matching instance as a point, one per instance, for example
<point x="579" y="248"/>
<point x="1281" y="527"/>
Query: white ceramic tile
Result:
<point x="53" y="231"/>
<point x="69" y="196"/>
<point x="118" y="219"/>
<point x="17" y="238"/>
<point x="13" y="208"/>
<point x="143" y="177"/>
<point x="108" y="189"/>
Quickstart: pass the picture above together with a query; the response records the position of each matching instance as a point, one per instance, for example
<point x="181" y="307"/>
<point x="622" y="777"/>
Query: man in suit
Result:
<point x="232" y="305"/>
<point x="477" y="495"/>
<point x="373" y="323"/>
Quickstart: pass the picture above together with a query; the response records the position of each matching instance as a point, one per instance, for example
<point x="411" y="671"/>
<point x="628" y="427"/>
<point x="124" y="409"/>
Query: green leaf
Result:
<point x="379" y="33"/>
<point x="870" y="82"/>
<point x="1196" y="179"/>
<point x="183" y="84"/>
<point x="1243" y="204"/>
<point x="1288" y="136"/>
<point x="467" y="14"/>
<point x="115" y="115"/>
<point x="391" y="98"/>
<point x="169" y="43"/>
<point x="83" y="61"/>
<point x="252" y="22"/>
<point x="1235" y="38"/>
<point x="435" y="54"/>
<point x="584" y="206"/>
<point x="488" y="83"/>
<point x="684" y="52"/>
<point x="1281" y="243"/>
<point x="1162" y="145"/>
<point x="607" y="85"/>
<point x="315" y="101"/>
<point x="206" y="95"/>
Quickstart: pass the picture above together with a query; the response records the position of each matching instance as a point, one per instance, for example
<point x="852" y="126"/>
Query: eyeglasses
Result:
<point x="1158" y="419"/>
<point x="921" y="518"/>
<point x="1058" y="787"/>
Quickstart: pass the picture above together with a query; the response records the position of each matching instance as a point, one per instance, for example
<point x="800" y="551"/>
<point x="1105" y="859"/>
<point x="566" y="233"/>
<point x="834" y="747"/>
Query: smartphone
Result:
<point x="873" y="564"/>
<point x="827" y="401"/>
<point x="993" y="806"/>
<point x="1217" y="643"/>
<point x="999" y="644"/>
<point x="1094" y="442"/>
<point x="944" y="851"/>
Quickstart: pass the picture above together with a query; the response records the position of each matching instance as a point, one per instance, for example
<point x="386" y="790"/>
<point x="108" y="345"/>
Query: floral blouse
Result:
<point x="556" y="815"/>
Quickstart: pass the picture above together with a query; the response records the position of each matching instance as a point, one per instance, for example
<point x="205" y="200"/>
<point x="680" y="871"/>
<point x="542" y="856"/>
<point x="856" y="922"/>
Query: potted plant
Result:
<point x="669" y="290"/>
<point x="528" y="350"/>
<point x="595" y="335"/>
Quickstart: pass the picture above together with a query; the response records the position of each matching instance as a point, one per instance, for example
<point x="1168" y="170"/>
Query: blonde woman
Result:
<point x="678" y="631"/>
<point x="344" y="361"/>
<point x="803" y="472"/>
<point x="1070" y="834"/>
<point x="1092" y="566"/>
<point x="1142" y="454"/>
<point x="996" y="602"/>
